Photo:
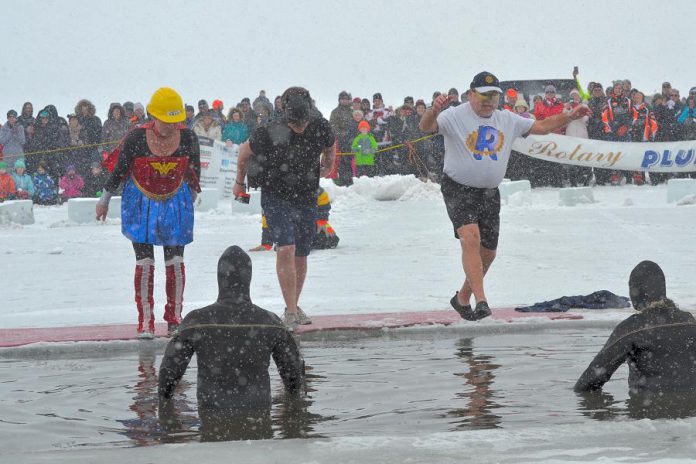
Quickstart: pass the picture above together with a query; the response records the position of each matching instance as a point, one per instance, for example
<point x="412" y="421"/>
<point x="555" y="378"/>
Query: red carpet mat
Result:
<point x="26" y="336"/>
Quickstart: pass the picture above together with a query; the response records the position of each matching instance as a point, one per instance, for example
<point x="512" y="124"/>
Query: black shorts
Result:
<point x="471" y="205"/>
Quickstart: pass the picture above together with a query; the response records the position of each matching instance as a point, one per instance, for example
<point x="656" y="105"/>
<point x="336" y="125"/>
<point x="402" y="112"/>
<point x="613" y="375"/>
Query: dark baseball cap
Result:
<point x="11" y="113"/>
<point x="485" y="82"/>
<point x="377" y="96"/>
<point x="343" y="94"/>
<point x="297" y="106"/>
<point x="202" y="103"/>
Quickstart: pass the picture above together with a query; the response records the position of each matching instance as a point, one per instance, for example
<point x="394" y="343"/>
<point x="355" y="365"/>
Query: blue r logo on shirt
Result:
<point x="487" y="141"/>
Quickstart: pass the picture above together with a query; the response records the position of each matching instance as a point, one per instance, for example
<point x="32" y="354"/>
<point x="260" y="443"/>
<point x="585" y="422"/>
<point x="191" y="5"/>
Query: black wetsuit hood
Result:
<point x="234" y="277"/>
<point x="646" y="284"/>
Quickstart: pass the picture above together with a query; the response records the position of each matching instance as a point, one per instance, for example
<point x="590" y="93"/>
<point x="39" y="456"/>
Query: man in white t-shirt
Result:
<point x="478" y="138"/>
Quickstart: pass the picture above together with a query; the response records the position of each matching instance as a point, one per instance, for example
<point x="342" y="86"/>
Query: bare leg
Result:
<point x="287" y="276"/>
<point x="487" y="257"/>
<point x="473" y="263"/>
<point x="300" y="275"/>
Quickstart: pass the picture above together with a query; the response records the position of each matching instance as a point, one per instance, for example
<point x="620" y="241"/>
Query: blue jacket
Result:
<point x="12" y="139"/>
<point x="237" y="132"/>
<point x="45" y="187"/>
<point x="24" y="182"/>
<point x="685" y="114"/>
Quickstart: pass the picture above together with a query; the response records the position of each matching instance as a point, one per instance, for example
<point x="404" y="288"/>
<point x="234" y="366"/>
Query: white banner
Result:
<point x="620" y="156"/>
<point x="218" y="166"/>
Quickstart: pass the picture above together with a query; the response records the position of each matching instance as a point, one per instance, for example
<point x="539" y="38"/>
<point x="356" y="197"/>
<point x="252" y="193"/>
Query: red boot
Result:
<point x="176" y="280"/>
<point x="144" y="288"/>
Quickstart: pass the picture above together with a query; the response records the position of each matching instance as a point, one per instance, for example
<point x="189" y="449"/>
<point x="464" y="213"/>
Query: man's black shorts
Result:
<point x="471" y="205"/>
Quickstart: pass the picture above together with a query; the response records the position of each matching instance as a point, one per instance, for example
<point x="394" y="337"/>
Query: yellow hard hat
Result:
<point x="167" y="106"/>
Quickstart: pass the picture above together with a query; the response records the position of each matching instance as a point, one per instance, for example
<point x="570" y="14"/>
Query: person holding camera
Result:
<point x="285" y="159"/>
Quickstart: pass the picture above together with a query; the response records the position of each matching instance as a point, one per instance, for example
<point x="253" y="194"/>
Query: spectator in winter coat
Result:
<point x="522" y="108"/>
<point x="365" y="106"/>
<point x="235" y="131"/>
<point x="208" y="127"/>
<point x="278" y="111"/>
<point x="644" y="123"/>
<point x="128" y="108"/>
<point x="658" y="343"/>
<point x="578" y="127"/>
<point x="356" y="104"/>
<point x="262" y="103"/>
<point x="687" y="119"/>
<point x="403" y="127"/>
<point x="345" y="128"/>
<point x="203" y="109"/>
<point x="22" y="180"/>
<point x="12" y="138"/>
<point x="44" y="187"/>
<point x="549" y="106"/>
<point x="49" y="135"/>
<point x="250" y="116"/>
<point x="596" y="103"/>
<point x="71" y="184"/>
<point x="218" y="115"/>
<point x="364" y="146"/>
<point x="378" y="118"/>
<point x="139" y="116"/>
<point x="577" y="175"/>
<point x="674" y="109"/>
<point x="7" y="185"/>
<point x="234" y="342"/>
<point x="90" y="134"/>
<point x="94" y="181"/>
<point x="511" y="97"/>
<point x="91" y="125"/>
<point x="189" y="116"/>
<point x="454" y="97"/>
<point x="115" y="127"/>
<point x="26" y="119"/>
<point x="666" y="90"/>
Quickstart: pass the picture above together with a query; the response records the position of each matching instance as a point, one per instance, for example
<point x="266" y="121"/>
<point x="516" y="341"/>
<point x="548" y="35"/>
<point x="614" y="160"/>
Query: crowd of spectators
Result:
<point x="50" y="159"/>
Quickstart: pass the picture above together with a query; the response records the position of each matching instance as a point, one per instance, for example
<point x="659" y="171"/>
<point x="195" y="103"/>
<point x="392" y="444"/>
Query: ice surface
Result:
<point x="393" y="256"/>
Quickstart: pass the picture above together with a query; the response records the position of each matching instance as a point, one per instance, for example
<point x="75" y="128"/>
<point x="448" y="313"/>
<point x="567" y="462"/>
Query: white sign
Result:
<point x="620" y="156"/>
<point x="218" y="166"/>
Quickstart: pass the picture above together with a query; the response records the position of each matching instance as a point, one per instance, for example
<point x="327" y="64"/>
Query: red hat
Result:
<point x="364" y="125"/>
<point x="357" y="100"/>
<point x="511" y="93"/>
<point x="217" y="104"/>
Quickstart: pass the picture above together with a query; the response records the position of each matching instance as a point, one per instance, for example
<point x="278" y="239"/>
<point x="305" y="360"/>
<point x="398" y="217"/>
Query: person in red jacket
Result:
<point x="549" y="106"/>
<point x="8" y="190"/>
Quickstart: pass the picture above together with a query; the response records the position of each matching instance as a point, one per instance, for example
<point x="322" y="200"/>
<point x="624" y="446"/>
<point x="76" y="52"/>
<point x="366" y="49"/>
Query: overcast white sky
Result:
<point x="116" y="50"/>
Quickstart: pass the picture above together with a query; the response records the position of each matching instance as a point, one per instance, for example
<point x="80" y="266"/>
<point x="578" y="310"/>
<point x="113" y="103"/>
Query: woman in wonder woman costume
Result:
<point x="159" y="162"/>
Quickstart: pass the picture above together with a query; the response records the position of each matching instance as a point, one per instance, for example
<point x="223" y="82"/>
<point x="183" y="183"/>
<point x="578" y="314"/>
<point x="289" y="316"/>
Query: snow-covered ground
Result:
<point x="397" y="253"/>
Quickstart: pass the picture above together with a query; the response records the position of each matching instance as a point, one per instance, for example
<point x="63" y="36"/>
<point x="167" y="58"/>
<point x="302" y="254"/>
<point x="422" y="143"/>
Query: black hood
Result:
<point x="646" y="284"/>
<point x="234" y="276"/>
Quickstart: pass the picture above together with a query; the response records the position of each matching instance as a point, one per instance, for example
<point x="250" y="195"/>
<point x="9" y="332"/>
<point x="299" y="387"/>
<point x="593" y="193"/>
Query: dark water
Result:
<point x="400" y="383"/>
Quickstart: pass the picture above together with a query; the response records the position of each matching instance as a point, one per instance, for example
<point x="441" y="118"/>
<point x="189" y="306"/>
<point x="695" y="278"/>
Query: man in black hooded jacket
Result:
<point x="234" y="341"/>
<point x="659" y="343"/>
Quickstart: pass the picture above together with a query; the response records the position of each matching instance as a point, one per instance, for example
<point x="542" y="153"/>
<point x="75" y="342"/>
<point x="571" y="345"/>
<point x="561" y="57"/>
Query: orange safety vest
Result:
<point x="650" y="126"/>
